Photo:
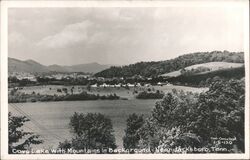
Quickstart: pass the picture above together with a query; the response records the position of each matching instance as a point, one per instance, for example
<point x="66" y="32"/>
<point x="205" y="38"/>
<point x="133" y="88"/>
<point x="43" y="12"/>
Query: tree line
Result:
<point x="153" y="69"/>
<point x="18" y="97"/>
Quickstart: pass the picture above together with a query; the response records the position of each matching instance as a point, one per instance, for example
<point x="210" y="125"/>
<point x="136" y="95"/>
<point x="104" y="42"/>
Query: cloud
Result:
<point x="72" y="34"/>
<point x="120" y="34"/>
<point x="16" y="38"/>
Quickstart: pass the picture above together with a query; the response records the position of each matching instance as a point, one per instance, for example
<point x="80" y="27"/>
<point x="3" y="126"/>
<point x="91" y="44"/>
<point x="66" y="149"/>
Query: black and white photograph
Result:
<point x="138" y="79"/>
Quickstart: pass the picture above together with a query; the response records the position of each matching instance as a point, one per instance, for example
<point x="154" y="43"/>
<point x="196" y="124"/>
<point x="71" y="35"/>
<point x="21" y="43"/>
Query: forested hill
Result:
<point x="152" y="69"/>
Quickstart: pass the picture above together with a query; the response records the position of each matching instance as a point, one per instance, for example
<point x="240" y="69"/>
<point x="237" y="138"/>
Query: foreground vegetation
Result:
<point x="190" y="121"/>
<point x="17" y="134"/>
<point x="93" y="133"/>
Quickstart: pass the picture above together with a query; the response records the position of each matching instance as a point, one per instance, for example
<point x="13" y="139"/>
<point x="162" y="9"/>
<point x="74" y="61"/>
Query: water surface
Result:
<point x="51" y="119"/>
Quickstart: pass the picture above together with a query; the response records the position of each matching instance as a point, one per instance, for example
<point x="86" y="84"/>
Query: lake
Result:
<point x="51" y="119"/>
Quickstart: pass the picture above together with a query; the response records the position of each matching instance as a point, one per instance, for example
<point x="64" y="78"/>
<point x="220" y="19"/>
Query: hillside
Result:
<point x="207" y="67"/>
<point x="57" y="68"/>
<point x="31" y="66"/>
<point x="89" y="67"/>
<point x="205" y="79"/>
<point x="152" y="69"/>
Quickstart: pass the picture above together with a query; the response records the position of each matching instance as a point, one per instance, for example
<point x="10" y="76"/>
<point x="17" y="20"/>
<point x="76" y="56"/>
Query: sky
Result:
<point x="119" y="36"/>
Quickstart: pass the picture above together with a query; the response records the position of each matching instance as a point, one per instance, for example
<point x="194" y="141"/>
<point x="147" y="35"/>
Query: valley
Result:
<point x="50" y="95"/>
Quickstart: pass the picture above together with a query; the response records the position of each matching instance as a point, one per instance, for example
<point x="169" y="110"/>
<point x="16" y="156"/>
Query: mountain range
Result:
<point x="146" y="69"/>
<point x="31" y="66"/>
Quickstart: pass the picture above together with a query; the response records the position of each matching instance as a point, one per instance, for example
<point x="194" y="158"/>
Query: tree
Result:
<point x="220" y="112"/>
<point x="13" y="79"/>
<point x="150" y="95"/>
<point x="175" y="137"/>
<point x="89" y="87"/>
<point x="167" y="126"/>
<point x="92" y="131"/>
<point x="131" y="138"/>
<point x="183" y="71"/>
<point x="174" y="109"/>
<point x="65" y="90"/>
<point x="65" y="145"/>
<point x="149" y="137"/>
<point x="18" y="138"/>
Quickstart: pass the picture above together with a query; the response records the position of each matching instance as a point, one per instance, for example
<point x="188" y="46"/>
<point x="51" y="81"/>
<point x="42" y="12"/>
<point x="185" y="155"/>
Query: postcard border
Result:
<point x="37" y="4"/>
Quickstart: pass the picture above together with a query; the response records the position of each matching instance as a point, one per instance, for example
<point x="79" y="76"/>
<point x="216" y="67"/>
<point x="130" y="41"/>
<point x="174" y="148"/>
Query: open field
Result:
<point x="213" y="66"/>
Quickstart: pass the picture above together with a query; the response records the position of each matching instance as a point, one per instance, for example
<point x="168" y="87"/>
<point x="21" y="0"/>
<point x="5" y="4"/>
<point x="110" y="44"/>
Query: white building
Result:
<point x="94" y="85"/>
<point x="130" y="85"/>
<point x="104" y="85"/>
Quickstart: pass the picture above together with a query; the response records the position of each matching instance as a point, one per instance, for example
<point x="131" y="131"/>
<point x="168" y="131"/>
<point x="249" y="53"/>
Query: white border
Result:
<point x="191" y="3"/>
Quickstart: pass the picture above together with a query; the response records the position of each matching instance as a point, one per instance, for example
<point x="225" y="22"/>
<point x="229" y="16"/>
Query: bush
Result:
<point x="150" y="95"/>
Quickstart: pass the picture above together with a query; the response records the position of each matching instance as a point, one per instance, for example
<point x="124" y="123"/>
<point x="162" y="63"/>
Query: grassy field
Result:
<point x="213" y="66"/>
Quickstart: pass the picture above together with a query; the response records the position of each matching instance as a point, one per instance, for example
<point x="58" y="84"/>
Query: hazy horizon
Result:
<point x="59" y="64"/>
<point x="121" y="36"/>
